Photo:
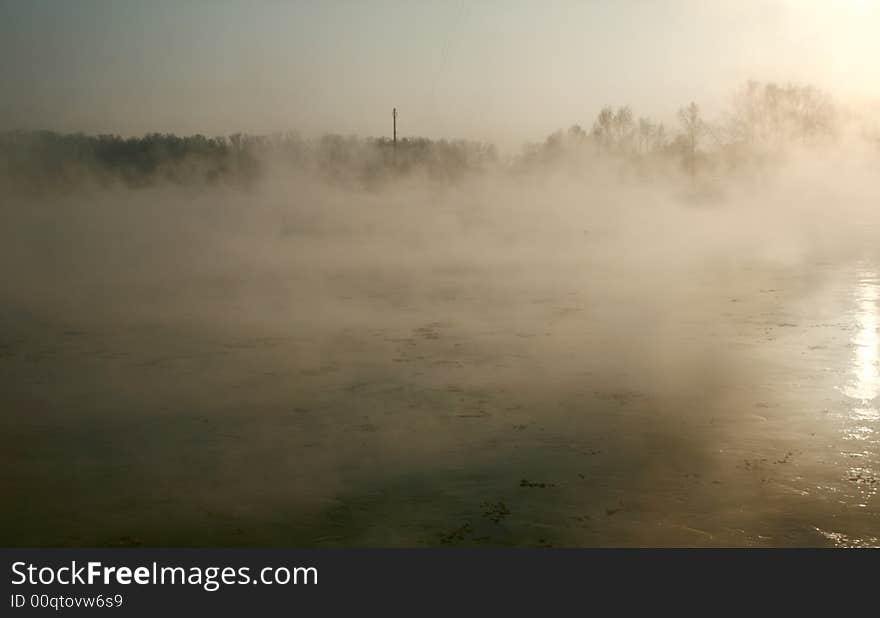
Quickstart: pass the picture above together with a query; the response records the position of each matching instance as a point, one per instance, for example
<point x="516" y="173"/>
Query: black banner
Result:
<point x="134" y="582"/>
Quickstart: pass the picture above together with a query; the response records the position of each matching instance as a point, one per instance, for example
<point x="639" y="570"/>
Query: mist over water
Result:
<point x="567" y="349"/>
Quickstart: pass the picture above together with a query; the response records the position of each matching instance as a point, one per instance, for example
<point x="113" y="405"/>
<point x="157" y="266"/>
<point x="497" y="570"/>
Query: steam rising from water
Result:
<point x="615" y="359"/>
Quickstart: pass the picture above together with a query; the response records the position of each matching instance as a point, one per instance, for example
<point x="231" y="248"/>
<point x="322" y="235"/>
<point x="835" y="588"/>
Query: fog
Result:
<point x="591" y="342"/>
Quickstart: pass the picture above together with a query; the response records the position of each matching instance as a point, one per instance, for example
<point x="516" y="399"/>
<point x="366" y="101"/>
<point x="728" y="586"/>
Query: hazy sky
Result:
<point x="502" y="70"/>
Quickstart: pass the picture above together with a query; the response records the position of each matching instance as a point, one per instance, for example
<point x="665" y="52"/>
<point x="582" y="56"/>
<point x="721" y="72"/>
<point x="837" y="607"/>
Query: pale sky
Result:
<point x="499" y="70"/>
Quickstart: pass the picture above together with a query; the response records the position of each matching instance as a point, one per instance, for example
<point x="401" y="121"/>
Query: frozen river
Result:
<point x="747" y="416"/>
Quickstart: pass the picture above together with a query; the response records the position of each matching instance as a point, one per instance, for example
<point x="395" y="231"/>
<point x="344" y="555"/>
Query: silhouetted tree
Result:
<point x="774" y="115"/>
<point x="693" y="128"/>
<point x="623" y="128"/>
<point x="603" y="128"/>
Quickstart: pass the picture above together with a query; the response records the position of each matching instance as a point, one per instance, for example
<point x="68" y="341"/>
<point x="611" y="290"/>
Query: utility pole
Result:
<point x="394" y="120"/>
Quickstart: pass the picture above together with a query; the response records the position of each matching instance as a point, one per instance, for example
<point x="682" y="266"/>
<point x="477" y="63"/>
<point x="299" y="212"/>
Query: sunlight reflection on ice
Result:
<point x="864" y="387"/>
<point x="841" y="540"/>
<point x="865" y="382"/>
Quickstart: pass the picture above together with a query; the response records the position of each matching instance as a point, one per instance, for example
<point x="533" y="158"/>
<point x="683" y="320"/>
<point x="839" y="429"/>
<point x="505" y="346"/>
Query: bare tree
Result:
<point x="651" y="136"/>
<point x="659" y="141"/>
<point x="576" y="134"/>
<point x="603" y="128"/>
<point x="623" y="128"/>
<point x="774" y="115"/>
<point x="693" y="128"/>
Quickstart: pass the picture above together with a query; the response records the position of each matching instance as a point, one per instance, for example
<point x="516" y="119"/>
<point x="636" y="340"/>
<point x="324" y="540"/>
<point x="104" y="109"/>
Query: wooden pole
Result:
<point x="394" y="120"/>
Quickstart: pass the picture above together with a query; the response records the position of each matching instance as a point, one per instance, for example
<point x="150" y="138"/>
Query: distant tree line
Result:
<point x="763" y="118"/>
<point x="45" y="159"/>
<point x="38" y="160"/>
